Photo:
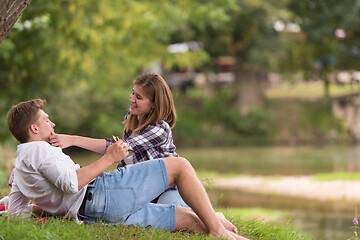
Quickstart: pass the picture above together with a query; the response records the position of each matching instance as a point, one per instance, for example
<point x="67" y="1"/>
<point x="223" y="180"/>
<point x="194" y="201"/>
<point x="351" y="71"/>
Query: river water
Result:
<point x="321" y="220"/>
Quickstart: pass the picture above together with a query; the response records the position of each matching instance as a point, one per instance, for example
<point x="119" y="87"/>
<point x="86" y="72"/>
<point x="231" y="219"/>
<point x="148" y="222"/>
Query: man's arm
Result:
<point x="19" y="204"/>
<point x="115" y="153"/>
<point x="71" y="178"/>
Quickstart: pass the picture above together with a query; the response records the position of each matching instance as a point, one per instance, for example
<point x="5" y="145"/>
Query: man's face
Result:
<point x="44" y="125"/>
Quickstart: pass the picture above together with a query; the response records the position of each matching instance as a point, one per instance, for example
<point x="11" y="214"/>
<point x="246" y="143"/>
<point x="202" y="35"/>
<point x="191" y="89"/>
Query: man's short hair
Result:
<point x="22" y="115"/>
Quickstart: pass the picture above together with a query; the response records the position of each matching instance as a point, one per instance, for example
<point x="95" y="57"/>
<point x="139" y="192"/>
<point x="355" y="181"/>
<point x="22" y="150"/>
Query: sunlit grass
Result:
<point x="287" y="89"/>
<point x="272" y="215"/>
<point x="349" y="176"/>
<point x="204" y="174"/>
<point x="243" y="219"/>
<point x="309" y="90"/>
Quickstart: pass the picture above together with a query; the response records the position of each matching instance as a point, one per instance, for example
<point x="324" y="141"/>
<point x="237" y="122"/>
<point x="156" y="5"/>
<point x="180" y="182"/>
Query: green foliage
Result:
<point x="3" y="177"/>
<point x="317" y="50"/>
<point x="88" y="112"/>
<point x="83" y="55"/>
<point x="212" y="121"/>
<point x="254" y="126"/>
<point x="243" y="29"/>
<point x="321" y="118"/>
<point x="7" y="159"/>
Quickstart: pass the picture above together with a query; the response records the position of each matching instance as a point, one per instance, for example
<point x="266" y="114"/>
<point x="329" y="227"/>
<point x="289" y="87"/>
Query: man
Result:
<point x="49" y="178"/>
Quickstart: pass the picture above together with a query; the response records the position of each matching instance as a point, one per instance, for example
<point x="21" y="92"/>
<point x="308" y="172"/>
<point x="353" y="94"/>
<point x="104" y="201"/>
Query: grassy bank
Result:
<point x="56" y="229"/>
<point x="244" y="219"/>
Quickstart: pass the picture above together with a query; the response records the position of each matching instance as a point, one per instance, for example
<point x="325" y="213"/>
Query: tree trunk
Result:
<point x="10" y="11"/>
<point x="347" y="107"/>
<point x="326" y="86"/>
<point x="250" y="90"/>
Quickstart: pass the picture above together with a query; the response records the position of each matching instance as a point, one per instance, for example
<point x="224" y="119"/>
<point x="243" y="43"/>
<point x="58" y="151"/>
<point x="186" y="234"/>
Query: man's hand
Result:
<point x="117" y="152"/>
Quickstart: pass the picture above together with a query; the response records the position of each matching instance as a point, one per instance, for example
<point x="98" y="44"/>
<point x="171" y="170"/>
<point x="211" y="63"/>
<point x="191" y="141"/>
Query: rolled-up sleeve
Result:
<point x="62" y="176"/>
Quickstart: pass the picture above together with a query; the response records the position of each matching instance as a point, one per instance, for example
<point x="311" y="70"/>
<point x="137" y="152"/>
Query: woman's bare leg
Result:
<point x="187" y="220"/>
<point x="181" y="173"/>
<point x="226" y="223"/>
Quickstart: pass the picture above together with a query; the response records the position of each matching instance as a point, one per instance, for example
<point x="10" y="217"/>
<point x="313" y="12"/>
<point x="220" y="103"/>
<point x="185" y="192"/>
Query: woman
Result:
<point x="148" y="125"/>
<point x="149" y="120"/>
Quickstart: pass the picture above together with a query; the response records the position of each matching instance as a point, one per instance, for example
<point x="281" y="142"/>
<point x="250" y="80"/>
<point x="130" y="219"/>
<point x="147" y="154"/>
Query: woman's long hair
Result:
<point x="156" y="89"/>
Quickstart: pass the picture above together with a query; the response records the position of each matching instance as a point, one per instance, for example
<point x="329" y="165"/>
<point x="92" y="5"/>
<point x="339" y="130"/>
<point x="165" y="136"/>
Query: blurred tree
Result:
<point x="327" y="40"/>
<point x="243" y="30"/>
<point x="82" y="53"/>
<point x="82" y="56"/>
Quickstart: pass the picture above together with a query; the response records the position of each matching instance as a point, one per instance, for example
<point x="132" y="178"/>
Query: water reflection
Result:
<point x="321" y="220"/>
<point x="275" y="160"/>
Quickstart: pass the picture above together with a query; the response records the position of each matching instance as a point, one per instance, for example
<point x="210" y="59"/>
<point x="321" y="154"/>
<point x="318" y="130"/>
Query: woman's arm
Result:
<point x="64" y="141"/>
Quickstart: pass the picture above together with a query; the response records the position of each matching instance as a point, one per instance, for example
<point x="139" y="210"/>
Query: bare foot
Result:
<point x="224" y="234"/>
<point x="238" y="237"/>
<point x="226" y="223"/>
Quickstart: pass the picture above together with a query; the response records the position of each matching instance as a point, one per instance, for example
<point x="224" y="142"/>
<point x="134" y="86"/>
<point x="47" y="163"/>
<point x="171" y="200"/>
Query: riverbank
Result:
<point x="294" y="186"/>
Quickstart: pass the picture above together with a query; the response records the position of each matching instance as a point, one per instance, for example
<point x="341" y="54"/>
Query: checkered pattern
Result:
<point x="154" y="141"/>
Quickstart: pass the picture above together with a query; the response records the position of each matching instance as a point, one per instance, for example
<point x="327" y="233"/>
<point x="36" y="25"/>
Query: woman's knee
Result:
<point x="175" y="166"/>
<point x="177" y="162"/>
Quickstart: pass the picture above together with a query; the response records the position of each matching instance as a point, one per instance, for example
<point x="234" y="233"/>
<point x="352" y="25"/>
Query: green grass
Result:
<point x="350" y="176"/>
<point x="204" y="174"/>
<point x="56" y="229"/>
<point x="267" y="215"/>
<point x="308" y="90"/>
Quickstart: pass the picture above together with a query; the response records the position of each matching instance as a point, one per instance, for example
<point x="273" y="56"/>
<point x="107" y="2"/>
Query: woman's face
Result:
<point x="139" y="104"/>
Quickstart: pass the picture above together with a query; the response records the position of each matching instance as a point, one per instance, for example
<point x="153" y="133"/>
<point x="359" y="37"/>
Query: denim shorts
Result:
<point x="171" y="196"/>
<point x="123" y="197"/>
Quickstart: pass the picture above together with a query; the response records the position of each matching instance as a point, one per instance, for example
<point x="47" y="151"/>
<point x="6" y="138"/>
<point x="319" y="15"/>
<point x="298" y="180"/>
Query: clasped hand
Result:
<point x="118" y="151"/>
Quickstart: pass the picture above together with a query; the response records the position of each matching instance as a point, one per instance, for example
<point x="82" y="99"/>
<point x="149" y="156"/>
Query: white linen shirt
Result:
<point x="47" y="177"/>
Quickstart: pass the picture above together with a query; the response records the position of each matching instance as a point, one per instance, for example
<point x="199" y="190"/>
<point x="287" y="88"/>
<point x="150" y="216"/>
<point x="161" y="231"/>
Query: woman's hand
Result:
<point x="60" y="140"/>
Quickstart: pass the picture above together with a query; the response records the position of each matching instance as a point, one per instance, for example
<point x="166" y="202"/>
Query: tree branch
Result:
<point x="10" y="11"/>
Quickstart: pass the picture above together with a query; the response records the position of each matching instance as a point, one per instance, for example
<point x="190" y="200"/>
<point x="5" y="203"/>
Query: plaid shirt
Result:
<point x="154" y="141"/>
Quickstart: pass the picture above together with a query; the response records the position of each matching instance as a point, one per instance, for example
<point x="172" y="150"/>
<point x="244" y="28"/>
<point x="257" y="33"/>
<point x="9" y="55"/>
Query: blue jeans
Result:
<point x="171" y="197"/>
<point x="123" y="197"/>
